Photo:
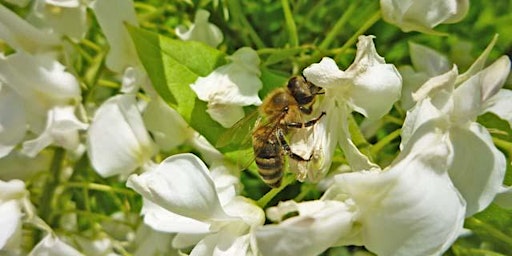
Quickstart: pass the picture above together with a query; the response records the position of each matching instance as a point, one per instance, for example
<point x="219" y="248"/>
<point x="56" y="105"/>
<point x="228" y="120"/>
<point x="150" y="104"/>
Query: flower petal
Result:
<point x="12" y="120"/>
<point x="226" y="115"/>
<point x="168" y="128"/>
<point x="429" y="61"/>
<point x="117" y="140"/>
<point x="122" y="52"/>
<point x="21" y="35"/>
<point x="182" y="185"/>
<point x="236" y="83"/>
<point x="320" y="225"/>
<point x="51" y="245"/>
<point x="376" y="90"/>
<point x="325" y="74"/>
<point x="501" y="105"/>
<point x="164" y="220"/>
<point x="201" y="31"/>
<point x="10" y="233"/>
<point x="68" y="18"/>
<point x="478" y="167"/>
<point x="376" y="85"/>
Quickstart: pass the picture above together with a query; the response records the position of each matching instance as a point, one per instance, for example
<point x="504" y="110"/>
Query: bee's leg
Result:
<point x="286" y="147"/>
<point x="306" y="124"/>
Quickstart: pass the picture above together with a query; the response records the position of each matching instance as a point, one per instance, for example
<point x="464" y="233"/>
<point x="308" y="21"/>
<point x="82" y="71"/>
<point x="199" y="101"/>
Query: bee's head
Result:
<point x="302" y="90"/>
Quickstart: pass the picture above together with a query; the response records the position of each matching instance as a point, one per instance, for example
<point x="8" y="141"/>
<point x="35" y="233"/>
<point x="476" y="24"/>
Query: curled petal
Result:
<point x="478" y="167"/>
<point x="201" y="31"/>
<point x="117" y="140"/>
<point x="181" y="184"/>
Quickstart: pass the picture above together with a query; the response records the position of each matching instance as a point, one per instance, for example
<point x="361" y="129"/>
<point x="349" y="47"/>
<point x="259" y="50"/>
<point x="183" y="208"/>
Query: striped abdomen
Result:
<point x="270" y="162"/>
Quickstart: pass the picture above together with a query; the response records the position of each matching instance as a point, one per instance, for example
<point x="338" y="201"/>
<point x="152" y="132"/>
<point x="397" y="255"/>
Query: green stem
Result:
<point x="377" y="147"/>
<point x="477" y="225"/>
<point x="47" y="198"/>
<point x="263" y="201"/>
<point x="98" y="187"/>
<point x="506" y="145"/>
<point x="338" y="27"/>
<point x="290" y="24"/>
<point x="372" y="20"/>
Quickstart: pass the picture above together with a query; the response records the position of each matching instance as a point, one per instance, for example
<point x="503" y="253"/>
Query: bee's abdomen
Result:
<point x="270" y="164"/>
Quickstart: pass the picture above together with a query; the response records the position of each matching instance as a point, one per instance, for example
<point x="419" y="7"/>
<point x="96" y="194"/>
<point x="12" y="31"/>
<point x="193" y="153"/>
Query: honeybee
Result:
<point x="281" y="111"/>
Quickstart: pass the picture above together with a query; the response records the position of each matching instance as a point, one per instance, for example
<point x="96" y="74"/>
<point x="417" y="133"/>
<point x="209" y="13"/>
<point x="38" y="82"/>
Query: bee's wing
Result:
<point x="239" y="135"/>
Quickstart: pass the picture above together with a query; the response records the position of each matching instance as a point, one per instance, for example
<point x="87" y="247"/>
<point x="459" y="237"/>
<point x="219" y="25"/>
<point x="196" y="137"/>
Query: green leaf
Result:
<point x="172" y="65"/>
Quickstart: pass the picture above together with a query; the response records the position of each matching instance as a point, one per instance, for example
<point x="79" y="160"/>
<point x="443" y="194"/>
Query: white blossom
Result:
<point x="201" y="30"/>
<point x="422" y="15"/>
<point x="230" y="87"/>
<point x="181" y="196"/>
<point x="42" y="97"/>
<point x="369" y="86"/>
<point x="449" y="104"/>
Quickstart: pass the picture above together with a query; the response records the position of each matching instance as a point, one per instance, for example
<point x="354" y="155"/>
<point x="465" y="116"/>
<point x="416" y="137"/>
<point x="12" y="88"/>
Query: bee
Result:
<point x="282" y="111"/>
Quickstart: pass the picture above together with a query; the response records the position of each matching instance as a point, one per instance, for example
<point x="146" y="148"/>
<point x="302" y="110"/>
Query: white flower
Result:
<point x="201" y="30"/>
<point x="422" y="15"/>
<point x="67" y="18"/>
<point x="11" y="195"/>
<point x="52" y="245"/>
<point x="43" y="96"/>
<point x="21" y="35"/>
<point x="117" y="140"/>
<point x="411" y="208"/>
<point x="230" y="87"/>
<point x="122" y="52"/>
<point x="449" y="104"/>
<point x="369" y="86"/>
<point x="181" y="196"/>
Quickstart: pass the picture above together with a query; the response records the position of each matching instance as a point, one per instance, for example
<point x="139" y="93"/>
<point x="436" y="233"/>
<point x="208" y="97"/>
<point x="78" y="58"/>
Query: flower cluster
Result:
<point x="115" y="140"/>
